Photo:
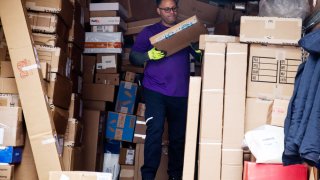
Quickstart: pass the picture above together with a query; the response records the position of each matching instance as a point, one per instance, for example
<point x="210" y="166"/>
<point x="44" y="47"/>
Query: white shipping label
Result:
<point x="1" y="135"/>
<point x="127" y="85"/>
<point x="130" y="156"/>
<point x="109" y="61"/>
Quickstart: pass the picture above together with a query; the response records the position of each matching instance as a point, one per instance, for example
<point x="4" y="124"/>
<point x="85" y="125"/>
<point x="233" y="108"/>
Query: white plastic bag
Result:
<point x="284" y="8"/>
<point x="266" y="143"/>
<point x="111" y="164"/>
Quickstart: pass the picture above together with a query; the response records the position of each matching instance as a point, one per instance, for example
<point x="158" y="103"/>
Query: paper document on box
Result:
<point x="266" y="143"/>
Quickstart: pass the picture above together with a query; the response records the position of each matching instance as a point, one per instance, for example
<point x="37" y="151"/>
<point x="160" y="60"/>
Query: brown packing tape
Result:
<point x="118" y="134"/>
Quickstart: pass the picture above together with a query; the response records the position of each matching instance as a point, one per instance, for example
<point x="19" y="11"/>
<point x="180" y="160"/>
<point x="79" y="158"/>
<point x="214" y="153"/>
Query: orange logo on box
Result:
<point x="102" y="44"/>
<point x="20" y="65"/>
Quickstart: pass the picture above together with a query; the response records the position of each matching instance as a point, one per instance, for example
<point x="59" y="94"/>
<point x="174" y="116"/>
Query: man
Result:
<point x="166" y="84"/>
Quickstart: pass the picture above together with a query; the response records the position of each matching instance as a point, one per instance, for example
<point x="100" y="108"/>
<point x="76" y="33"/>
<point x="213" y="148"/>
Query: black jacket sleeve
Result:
<point x="138" y="58"/>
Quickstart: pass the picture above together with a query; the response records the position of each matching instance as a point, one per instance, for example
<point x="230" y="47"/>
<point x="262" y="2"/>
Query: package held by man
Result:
<point x="179" y="36"/>
<point x="103" y="42"/>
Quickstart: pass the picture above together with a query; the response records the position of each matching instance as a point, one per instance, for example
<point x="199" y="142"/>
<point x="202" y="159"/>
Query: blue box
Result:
<point x="120" y="126"/>
<point x="10" y="154"/>
<point x="126" y="97"/>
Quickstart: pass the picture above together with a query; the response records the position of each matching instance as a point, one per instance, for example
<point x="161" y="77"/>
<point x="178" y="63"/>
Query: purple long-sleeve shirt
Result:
<point x="168" y="76"/>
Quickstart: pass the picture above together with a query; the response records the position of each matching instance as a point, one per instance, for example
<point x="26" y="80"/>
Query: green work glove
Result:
<point x="155" y="55"/>
<point x="199" y="53"/>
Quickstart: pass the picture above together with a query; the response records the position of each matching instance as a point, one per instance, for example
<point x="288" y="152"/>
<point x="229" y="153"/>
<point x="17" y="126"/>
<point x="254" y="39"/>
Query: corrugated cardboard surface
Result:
<point x="8" y="85"/>
<point x="49" y="39"/>
<point x="98" y="92"/>
<point x="279" y="112"/>
<point x="10" y="100"/>
<point x="179" y="36"/>
<point x="89" y="64"/>
<point x="272" y="70"/>
<point x="232" y="157"/>
<point x="110" y="79"/>
<point x="59" y="91"/>
<point x="6" y="70"/>
<point x="12" y="132"/>
<point x="71" y="156"/>
<point x="75" y="106"/>
<point x="126" y="173"/>
<point x="94" y="105"/>
<point x="126" y="156"/>
<point x="204" y="38"/>
<point x="73" y="133"/>
<point x="235" y="95"/>
<point x="6" y="172"/>
<point x="209" y="160"/>
<point x="79" y="175"/>
<point x="258" y="113"/>
<point x="141" y="109"/>
<point x="136" y="26"/>
<point x="231" y="172"/>
<point x="270" y="30"/>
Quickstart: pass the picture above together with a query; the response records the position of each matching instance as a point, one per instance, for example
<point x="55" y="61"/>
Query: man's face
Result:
<point x="168" y="12"/>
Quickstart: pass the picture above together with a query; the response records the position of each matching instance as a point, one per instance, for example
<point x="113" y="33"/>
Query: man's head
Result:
<point x="167" y="9"/>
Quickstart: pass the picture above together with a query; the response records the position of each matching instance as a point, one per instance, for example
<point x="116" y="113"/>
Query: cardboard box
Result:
<point x="274" y="171"/>
<point x="209" y="153"/>
<point x="109" y="79"/>
<point x="120" y="126"/>
<point x="126" y="156"/>
<point x="79" y="175"/>
<point x="107" y="63"/>
<point x="4" y="54"/>
<point x="98" y="92"/>
<point x="11" y="127"/>
<point x="235" y="95"/>
<point x="60" y="7"/>
<point x="76" y="34"/>
<point x="108" y="7"/>
<point x="179" y="36"/>
<point x="94" y="105"/>
<point x="141" y="109"/>
<point x="48" y="23"/>
<point x="89" y="64"/>
<point x="129" y="76"/>
<point x="10" y="100"/>
<point x="10" y="154"/>
<point x="103" y="42"/>
<point x="137" y="26"/>
<point x="108" y="13"/>
<point x="60" y="119"/>
<point x="126" y="173"/>
<point x="205" y="38"/>
<point x="233" y="172"/>
<point x="279" y="112"/>
<point x="126" y="97"/>
<point x="52" y="40"/>
<point x="75" y="106"/>
<point x="71" y="158"/>
<point x="8" y="85"/>
<point x="140" y="130"/>
<point x="272" y="70"/>
<point x="99" y="21"/>
<point x="72" y="136"/>
<point x="45" y="70"/>
<point x="192" y="128"/>
<point x="105" y="28"/>
<point x="258" y="113"/>
<point x="6" y="70"/>
<point x="132" y="68"/>
<point x="270" y="30"/>
<point x="59" y="92"/>
<point x="6" y="172"/>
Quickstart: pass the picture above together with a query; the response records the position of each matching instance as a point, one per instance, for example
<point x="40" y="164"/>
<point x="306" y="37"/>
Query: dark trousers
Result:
<point x="158" y="107"/>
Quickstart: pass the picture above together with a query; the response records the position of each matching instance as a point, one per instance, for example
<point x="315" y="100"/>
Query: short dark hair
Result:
<point x="159" y="2"/>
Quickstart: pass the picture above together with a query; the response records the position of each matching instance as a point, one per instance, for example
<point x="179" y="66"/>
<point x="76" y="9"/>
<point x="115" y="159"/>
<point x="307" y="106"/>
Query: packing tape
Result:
<point x="64" y="177"/>
<point x="213" y="90"/>
<point x="142" y="136"/>
<point x="30" y="67"/>
<point x="48" y="141"/>
<point x="141" y="122"/>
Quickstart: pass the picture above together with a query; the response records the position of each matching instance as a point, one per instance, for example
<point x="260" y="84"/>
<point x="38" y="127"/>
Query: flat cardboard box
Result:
<point x="270" y="30"/>
<point x="279" y="112"/>
<point x="60" y="7"/>
<point x="10" y="100"/>
<point x="232" y="157"/>
<point x="120" y="126"/>
<point x="48" y="23"/>
<point x="79" y="175"/>
<point x="192" y="128"/>
<point x="94" y="105"/>
<point x="274" y="171"/>
<point x="75" y="106"/>
<point x="126" y="156"/>
<point x="59" y="91"/>
<point x="205" y="38"/>
<point x="52" y="40"/>
<point x="141" y="109"/>
<point x="60" y="119"/>
<point x="105" y="28"/>
<point x="89" y="66"/>
<point x="10" y="154"/>
<point x="258" y="113"/>
<point x="11" y="128"/>
<point x="103" y="42"/>
<point x="6" y="70"/>
<point x="137" y="26"/>
<point x="109" y="79"/>
<point x="126" y="173"/>
<point x="98" y="92"/>
<point x="72" y="136"/>
<point x="233" y="172"/>
<point x="140" y="130"/>
<point x="129" y="76"/>
<point x="107" y="63"/>
<point x="8" y="85"/>
<point x="179" y="36"/>
<point x="235" y="95"/>
<point x="6" y="172"/>
<point x="126" y="97"/>
<point x="272" y="70"/>
<point x="209" y="153"/>
<point x="109" y="7"/>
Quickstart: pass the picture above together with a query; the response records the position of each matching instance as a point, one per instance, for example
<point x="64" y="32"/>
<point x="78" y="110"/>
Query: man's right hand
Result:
<point x="155" y="54"/>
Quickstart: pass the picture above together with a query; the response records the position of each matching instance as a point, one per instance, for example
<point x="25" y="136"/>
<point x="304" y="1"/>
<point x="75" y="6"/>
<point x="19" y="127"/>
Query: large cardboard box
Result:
<point x="235" y="95"/>
<point x="279" y="112"/>
<point x="72" y="136"/>
<point x="140" y="130"/>
<point x="209" y="153"/>
<point x="126" y="156"/>
<point x="105" y="28"/>
<point x="45" y="71"/>
<point x="258" y="112"/>
<point x="192" y="128"/>
<point x="76" y="34"/>
<point x="94" y="105"/>
<point x="79" y="175"/>
<point x="205" y="38"/>
<point x="11" y="128"/>
<point x="6" y="172"/>
<point x="60" y="7"/>
<point x="8" y="85"/>
<point x="126" y="173"/>
<point x="137" y="26"/>
<point x="59" y="92"/>
<point x="6" y="70"/>
<point x="103" y="42"/>
<point x="270" y="30"/>
<point x="10" y="154"/>
<point x="88" y="64"/>
<point x="274" y="171"/>
<point x="60" y="119"/>
<point x="126" y="97"/>
<point x="272" y="70"/>
<point x="10" y="100"/>
<point x="98" y="92"/>
<point x="179" y="36"/>
<point x="100" y="21"/>
<point x="109" y="79"/>
<point x="231" y="172"/>
<point x="98" y="7"/>
<point x="107" y="63"/>
<point x="71" y="158"/>
<point x="49" y="40"/>
<point x="75" y="106"/>
<point x="120" y="126"/>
